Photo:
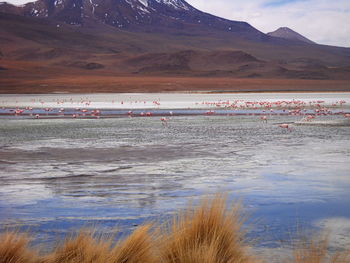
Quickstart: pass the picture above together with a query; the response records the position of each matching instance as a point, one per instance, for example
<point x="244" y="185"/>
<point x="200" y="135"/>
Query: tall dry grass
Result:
<point x="316" y="251"/>
<point x="206" y="233"/>
<point x="87" y="248"/>
<point x="138" y="247"/>
<point x="14" y="249"/>
<point x="84" y="248"/>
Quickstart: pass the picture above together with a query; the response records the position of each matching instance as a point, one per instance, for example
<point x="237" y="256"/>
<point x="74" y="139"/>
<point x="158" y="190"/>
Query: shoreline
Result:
<point x="177" y="101"/>
<point x="160" y="84"/>
<point x="179" y="92"/>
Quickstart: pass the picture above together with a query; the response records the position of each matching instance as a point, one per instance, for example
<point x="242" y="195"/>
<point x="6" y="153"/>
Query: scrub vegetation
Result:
<point x="209" y="232"/>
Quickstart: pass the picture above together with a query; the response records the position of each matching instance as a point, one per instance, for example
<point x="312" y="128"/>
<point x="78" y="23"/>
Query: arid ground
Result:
<point x="90" y="83"/>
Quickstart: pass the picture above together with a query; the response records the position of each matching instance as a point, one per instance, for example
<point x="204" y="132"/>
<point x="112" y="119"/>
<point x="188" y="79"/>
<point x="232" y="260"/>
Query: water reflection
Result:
<point x="58" y="174"/>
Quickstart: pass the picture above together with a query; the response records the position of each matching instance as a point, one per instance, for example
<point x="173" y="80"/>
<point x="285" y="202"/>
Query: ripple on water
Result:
<point x="126" y="170"/>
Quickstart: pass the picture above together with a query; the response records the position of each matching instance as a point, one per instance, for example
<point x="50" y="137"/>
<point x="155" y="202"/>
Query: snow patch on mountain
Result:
<point x="144" y="2"/>
<point x="58" y="2"/>
<point x="143" y="9"/>
<point x="177" y="4"/>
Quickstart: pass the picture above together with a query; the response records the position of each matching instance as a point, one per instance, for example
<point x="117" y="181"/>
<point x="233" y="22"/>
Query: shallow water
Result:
<point x="59" y="174"/>
<point x="166" y="100"/>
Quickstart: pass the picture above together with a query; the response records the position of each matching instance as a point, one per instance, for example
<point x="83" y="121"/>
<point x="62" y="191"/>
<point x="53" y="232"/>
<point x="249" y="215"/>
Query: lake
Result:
<point x="59" y="173"/>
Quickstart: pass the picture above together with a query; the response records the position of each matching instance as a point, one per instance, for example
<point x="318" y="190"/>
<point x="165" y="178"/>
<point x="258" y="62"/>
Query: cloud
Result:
<point x="323" y="21"/>
<point x="280" y="2"/>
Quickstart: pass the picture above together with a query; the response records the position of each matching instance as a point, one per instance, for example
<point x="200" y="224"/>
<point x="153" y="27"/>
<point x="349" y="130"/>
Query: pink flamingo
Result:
<point x="309" y="117"/>
<point x="18" y="112"/>
<point x="164" y="121"/>
<point x="285" y="126"/>
<point x="264" y="118"/>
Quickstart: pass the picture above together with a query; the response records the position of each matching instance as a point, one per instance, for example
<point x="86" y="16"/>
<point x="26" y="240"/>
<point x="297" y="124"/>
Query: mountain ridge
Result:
<point x="36" y="49"/>
<point x="133" y="15"/>
<point x="287" y="33"/>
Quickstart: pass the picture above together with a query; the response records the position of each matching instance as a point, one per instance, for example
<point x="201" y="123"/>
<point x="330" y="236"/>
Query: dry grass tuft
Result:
<point x="206" y="234"/>
<point x="341" y="257"/>
<point x="14" y="249"/>
<point x="83" y="248"/>
<point x="316" y="251"/>
<point x="138" y="247"/>
<point x="86" y="248"/>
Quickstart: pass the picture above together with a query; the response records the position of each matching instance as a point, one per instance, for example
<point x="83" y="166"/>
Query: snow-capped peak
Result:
<point x="177" y="4"/>
<point x="144" y="2"/>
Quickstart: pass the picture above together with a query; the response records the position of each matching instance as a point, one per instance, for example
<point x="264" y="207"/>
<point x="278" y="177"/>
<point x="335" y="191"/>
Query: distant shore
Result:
<point x="183" y="101"/>
<point x="151" y="84"/>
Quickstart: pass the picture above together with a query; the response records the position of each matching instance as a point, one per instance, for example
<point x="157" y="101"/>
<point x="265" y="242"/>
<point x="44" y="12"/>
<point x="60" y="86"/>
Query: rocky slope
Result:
<point x="287" y="33"/>
<point x="101" y="39"/>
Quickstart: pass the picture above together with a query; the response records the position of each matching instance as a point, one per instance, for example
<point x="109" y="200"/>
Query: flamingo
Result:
<point x="164" y="121"/>
<point x="264" y="118"/>
<point x="285" y="126"/>
<point x="18" y="112"/>
<point x="310" y="117"/>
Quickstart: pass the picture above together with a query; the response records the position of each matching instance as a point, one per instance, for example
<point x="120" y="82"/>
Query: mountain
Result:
<point x="153" y="45"/>
<point x="287" y="33"/>
<point x="134" y="15"/>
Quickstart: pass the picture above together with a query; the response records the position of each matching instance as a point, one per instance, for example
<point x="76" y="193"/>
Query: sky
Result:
<point x="323" y="21"/>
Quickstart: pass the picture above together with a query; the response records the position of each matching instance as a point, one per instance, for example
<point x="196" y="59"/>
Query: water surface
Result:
<point x="63" y="174"/>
